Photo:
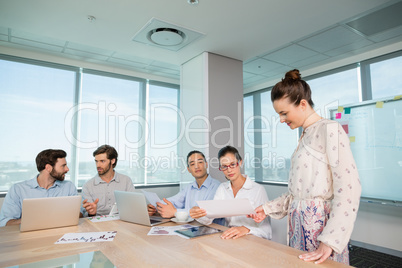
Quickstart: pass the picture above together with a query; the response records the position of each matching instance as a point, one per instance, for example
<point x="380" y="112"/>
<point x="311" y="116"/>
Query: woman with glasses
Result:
<point x="237" y="187"/>
<point x="324" y="188"/>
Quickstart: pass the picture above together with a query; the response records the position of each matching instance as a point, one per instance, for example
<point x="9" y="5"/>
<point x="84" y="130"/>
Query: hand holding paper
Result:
<point x="152" y="197"/>
<point x="226" y="208"/>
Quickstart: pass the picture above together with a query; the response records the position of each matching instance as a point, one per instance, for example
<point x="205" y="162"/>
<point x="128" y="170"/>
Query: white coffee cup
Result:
<point x="181" y="215"/>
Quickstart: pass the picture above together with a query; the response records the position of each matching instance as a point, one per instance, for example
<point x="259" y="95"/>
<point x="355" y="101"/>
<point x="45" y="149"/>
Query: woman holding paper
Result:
<point x="324" y="188"/>
<point x="238" y="187"/>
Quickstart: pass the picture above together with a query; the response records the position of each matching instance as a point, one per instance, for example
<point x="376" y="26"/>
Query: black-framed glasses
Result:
<point x="231" y="166"/>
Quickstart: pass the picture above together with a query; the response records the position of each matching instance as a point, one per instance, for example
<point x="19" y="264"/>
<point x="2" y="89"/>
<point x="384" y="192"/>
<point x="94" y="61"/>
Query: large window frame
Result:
<point x="77" y="101"/>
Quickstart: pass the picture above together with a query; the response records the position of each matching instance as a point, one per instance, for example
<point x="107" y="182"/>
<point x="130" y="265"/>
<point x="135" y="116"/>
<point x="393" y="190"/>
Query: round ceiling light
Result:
<point x="166" y="37"/>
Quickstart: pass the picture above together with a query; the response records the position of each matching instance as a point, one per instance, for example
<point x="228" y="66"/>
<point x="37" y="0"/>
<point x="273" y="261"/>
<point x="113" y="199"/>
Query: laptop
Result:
<point x="50" y="212"/>
<point x="132" y="207"/>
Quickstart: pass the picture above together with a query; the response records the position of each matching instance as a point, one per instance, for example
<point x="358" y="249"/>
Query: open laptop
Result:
<point x="132" y="207"/>
<point x="50" y="212"/>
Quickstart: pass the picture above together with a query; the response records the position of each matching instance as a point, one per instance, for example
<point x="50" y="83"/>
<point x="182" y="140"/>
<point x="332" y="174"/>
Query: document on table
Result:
<point x="226" y="208"/>
<point x="167" y="230"/>
<point x="152" y="198"/>
<point x="104" y="218"/>
<point x="86" y="237"/>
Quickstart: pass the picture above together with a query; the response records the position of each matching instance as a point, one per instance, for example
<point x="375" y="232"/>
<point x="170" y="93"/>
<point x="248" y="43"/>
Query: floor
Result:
<point x="365" y="258"/>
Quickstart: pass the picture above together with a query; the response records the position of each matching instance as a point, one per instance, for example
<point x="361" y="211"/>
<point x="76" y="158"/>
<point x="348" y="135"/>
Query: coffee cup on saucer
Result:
<point x="181" y="215"/>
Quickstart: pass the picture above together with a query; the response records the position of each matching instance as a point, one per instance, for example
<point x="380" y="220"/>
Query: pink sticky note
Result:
<point x="338" y="115"/>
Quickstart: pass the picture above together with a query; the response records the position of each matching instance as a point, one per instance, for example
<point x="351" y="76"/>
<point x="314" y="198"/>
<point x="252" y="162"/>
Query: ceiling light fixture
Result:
<point x="91" y="18"/>
<point x="192" y="2"/>
<point x="166" y="36"/>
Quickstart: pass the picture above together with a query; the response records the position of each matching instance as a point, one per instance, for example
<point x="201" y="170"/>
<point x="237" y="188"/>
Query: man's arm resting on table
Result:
<point x="13" y="222"/>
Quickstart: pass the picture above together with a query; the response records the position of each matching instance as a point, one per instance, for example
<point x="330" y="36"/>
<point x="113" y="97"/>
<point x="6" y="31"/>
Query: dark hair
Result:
<point x="292" y="87"/>
<point x="195" y="152"/>
<point x="229" y="149"/>
<point x="111" y="152"/>
<point x="48" y="156"/>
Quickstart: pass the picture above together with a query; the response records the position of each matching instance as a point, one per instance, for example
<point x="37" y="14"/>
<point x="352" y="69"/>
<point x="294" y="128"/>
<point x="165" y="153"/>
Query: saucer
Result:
<point x="189" y="219"/>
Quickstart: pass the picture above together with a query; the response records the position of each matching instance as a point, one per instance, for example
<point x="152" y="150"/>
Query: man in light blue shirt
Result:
<point x="203" y="188"/>
<point x="52" y="167"/>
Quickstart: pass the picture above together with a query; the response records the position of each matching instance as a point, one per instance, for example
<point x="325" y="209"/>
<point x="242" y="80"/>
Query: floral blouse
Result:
<point x="323" y="169"/>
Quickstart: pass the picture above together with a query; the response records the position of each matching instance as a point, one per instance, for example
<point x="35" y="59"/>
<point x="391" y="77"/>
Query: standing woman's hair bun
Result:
<point x="293" y="74"/>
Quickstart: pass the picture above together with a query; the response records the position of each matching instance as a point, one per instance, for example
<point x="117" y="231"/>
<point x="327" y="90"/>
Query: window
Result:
<point x="268" y="143"/>
<point x="249" y="154"/>
<point x="57" y="106"/>
<point x="33" y="103"/>
<point x="163" y="112"/>
<point x="334" y="89"/>
<point x="110" y="114"/>
<point x="280" y="142"/>
<point x="386" y="78"/>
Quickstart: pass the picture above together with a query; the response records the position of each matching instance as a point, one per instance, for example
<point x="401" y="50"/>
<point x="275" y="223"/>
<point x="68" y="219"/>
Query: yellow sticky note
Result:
<point x="398" y="97"/>
<point x="340" y="109"/>
<point x="352" y="139"/>
<point x="379" y="104"/>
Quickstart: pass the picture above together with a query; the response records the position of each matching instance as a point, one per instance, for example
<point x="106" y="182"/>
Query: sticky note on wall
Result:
<point x="347" y="110"/>
<point x="398" y="97"/>
<point x="338" y="116"/>
<point x="340" y="109"/>
<point x="352" y="139"/>
<point x="379" y="104"/>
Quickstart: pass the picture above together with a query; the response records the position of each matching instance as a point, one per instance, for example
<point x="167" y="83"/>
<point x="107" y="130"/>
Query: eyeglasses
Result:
<point x="231" y="166"/>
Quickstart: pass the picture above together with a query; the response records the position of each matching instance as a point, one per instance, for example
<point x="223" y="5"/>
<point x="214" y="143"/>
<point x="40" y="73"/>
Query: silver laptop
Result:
<point x="50" y="212"/>
<point x="132" y="207"/>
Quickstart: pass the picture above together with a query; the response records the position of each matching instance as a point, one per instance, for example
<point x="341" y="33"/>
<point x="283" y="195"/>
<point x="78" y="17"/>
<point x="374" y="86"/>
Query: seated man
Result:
<point x="203" y="188"/>
<point x="52" y="167"/>
<point x="98" y="192"/>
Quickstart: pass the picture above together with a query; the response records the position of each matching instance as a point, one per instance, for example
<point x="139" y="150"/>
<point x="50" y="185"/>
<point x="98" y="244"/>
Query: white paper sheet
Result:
<point x="104" y="218"/>
<point x="152" y="198"/>
<point x="86" y="237"/>
<point x="226" y="208"/>
<point x="167" y="230"/>
<point x="114" y="210"/>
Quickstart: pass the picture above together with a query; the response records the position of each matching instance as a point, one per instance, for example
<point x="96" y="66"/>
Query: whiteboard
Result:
<point x="375" y="133"/>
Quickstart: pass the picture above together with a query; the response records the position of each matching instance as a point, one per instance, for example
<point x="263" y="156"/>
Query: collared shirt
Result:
<point x="257" y="196"/>
<point x="97" y="188"/>
<point x="188" y="197"/>
<point x="12" y="206"/>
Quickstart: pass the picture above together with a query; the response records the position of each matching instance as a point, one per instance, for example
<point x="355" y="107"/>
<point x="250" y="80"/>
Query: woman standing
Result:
<point x="324" y="188"/>
<point x="237" y="187"/>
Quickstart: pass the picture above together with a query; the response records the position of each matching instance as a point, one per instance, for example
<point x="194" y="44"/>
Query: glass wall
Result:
<point x="274" y="142"/>
<point x="45" y="105"/>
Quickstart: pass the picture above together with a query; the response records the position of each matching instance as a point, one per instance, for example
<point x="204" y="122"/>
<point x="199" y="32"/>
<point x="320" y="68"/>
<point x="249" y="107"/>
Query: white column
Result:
<point x="211" y="100"/>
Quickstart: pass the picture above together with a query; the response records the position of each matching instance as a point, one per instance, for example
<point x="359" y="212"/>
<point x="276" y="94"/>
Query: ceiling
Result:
<point x="269" y="36"/>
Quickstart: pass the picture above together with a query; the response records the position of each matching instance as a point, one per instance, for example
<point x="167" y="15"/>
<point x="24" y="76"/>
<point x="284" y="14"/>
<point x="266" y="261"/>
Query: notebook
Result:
<point x="197" y="231"/>
<point x="132" y="207"/>
<point x="50" y="212"/>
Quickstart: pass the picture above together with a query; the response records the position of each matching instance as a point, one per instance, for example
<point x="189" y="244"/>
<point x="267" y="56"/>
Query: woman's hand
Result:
<point x="259" y="215"/>
<point x="319" y="255"/>
<point x="235" y="232"/>
<point x="197" y="212"/>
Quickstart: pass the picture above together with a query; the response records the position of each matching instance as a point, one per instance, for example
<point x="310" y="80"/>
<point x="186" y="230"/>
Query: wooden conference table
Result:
<point x="132" y="247"/>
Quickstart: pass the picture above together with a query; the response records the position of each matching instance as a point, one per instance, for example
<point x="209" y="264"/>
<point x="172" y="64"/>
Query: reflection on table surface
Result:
<point x="94" y="259"/>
